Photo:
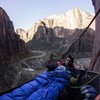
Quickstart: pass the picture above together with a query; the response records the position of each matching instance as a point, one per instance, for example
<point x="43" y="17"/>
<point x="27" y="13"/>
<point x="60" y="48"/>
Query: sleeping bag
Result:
<point x="46" y="86"/>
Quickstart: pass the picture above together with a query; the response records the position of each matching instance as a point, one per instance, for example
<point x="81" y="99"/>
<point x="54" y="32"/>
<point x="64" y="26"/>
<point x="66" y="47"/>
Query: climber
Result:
<point x="46" y="86"/>
<point x="68" y="62"/>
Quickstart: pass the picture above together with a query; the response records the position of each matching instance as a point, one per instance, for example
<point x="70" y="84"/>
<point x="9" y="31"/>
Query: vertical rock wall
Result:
<point x="10" y="44"/>
<point x="95" y="62"/>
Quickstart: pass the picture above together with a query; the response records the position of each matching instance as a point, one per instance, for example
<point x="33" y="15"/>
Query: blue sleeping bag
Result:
<point x="46" y="86"/>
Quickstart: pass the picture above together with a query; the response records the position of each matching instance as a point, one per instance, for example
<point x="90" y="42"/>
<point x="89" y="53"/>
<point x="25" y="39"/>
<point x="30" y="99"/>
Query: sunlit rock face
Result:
<point x="61" y="25"/>
<point x="23" y="34"/>
<point x="10" y="44"/>
<point x="58" y="31"/>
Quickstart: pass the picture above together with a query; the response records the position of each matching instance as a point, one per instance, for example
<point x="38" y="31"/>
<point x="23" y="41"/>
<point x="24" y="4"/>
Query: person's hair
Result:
<point x="72" y="59"/>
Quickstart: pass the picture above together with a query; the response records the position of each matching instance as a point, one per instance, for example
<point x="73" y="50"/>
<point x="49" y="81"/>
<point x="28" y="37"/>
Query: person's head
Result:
<point x="69" y="60"/>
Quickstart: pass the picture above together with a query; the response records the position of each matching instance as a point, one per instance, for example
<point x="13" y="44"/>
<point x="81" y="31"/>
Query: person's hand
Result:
<point x="73" y="80"/>
<point x="89" y="92"/>
<point x="97" y="97"/>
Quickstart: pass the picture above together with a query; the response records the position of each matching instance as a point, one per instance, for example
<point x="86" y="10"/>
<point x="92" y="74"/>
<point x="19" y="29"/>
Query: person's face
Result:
<point x="68" y="61"/>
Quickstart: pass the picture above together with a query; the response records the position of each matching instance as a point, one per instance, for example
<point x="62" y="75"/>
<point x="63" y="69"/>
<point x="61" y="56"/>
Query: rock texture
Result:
<point x="95" y="61"/>
<point x="57" y="32"/>
<point x="23" y="34"/>
<point x="73" y="19"/>
<point x="54" y="33"/>
<point x="10" y="44"/>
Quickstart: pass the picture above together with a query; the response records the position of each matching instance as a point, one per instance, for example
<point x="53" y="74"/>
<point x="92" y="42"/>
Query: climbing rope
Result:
<point x="70" y="45"/>
<point x="77" y="87"/>
<point x="94" y="61"/>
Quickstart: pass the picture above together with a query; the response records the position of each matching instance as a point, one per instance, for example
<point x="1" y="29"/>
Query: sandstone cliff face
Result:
<point x="23" y="34"/>
<point x="95" y="61"/>
<point x="52" y="33"/>
<point x="10" y="44"/>
<point x="73" y="19"/>
<point x="57" y="32"/>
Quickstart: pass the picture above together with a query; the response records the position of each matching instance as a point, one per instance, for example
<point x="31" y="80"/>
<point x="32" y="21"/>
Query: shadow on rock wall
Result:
<point x="58" y="38"/>
<point x="10" y="44"/>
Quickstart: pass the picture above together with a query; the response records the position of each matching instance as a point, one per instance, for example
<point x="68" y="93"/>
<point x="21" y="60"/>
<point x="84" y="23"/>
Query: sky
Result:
<point x="24" y="13"/>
